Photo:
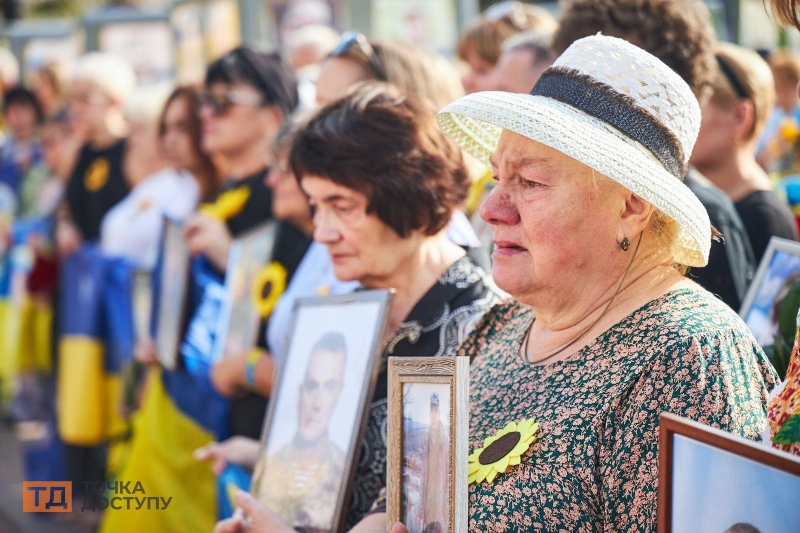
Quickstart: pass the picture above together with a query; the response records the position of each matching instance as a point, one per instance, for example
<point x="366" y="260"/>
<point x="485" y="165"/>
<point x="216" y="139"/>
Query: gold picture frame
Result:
<point x="414" y="490"/>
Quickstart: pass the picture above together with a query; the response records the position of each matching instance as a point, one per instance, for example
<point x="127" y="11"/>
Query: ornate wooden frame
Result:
<point x="453" y="371"/>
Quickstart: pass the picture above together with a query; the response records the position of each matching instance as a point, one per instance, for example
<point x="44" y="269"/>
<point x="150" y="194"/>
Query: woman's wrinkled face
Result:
<point x="480" y="76"/>
<point x="336" y="76"/>
<point x="551" y="221"/>
<point x="362" y="247"/>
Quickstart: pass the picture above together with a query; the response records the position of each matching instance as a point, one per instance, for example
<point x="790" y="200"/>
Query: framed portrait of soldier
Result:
<point x="428" y="431"/>
<point x="171" y="281"/>
<point x="239" y="317"/>
<point x="315" y="421"/>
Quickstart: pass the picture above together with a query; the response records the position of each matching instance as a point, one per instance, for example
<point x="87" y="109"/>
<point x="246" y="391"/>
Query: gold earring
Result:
<point x="625" y="244"/>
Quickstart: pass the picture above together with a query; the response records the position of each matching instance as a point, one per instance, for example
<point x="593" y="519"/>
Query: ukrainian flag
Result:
<point x="181" y="412"/>
<point x="25" y="324"/>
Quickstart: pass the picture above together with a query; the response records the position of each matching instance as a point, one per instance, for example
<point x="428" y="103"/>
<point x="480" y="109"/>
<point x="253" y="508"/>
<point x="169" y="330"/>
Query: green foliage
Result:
<point x="780" y="352"/>
<point x="789" y="432"/>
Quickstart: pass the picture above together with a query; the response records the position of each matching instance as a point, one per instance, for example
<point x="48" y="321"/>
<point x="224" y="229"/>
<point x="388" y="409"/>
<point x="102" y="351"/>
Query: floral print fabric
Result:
<point x="594" y="464"/>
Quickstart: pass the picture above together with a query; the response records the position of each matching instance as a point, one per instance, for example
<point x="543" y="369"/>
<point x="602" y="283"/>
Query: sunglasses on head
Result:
<point x="360" y="41"/>
<point x="220" y="103"/>
<point x="509" y="11"/>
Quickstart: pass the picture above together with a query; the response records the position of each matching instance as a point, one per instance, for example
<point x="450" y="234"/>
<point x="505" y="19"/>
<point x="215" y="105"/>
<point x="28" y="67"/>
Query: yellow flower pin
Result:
<point x="502" y="450"/>
<point x="267" y="288"/>
<point x="228" y="205"/>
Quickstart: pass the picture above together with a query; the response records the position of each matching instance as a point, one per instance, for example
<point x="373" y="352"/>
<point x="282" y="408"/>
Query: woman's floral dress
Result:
<point x="594" y="464"/>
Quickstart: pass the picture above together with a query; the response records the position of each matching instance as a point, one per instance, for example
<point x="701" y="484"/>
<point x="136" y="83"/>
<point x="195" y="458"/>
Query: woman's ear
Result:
<point x="744" y="113"/>
<point x="634" y="216"/>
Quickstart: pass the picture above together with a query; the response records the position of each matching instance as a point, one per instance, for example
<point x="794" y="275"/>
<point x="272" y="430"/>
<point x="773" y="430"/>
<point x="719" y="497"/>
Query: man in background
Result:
<point x="679" y="33"/>
<point x="525" y="57"/>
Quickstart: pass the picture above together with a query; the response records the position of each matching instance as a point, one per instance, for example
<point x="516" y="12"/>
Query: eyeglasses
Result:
<point x="354" y="38"/>
<point x="509" y="11"/>
<point x="220" y="103"/>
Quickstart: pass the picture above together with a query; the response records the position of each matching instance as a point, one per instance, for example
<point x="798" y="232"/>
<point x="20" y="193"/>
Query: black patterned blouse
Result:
<point x="436" y="327"/>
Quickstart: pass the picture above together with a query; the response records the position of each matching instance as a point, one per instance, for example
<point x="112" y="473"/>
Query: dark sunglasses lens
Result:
<point x="219" y="103"/>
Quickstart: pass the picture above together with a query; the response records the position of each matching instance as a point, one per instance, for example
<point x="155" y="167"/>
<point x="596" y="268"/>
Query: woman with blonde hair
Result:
<point x="725" y="152"/>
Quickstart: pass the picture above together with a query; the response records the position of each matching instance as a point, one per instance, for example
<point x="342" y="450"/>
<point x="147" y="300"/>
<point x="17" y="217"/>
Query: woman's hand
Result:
<point x="399" y="528"/>
<point x="68" y="238"/>
<point x="238" y="450"/>
<point x="228" y="375"/>
<point x="261" y="519"/>
<point x="145" y="352"/>
<point x="208" y="236"/>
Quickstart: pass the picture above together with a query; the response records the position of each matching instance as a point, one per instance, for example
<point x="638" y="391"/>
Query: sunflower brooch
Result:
<point x="268" y="285"/>
<point x="502" y="449"/>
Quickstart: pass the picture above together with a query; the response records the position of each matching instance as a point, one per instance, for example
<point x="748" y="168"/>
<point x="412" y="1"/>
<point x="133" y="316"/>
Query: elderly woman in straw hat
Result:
<point x="594" y="232"/>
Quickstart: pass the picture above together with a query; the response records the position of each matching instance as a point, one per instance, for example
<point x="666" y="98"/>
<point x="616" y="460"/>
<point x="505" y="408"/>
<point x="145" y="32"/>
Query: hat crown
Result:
<point x="652" y="85"/>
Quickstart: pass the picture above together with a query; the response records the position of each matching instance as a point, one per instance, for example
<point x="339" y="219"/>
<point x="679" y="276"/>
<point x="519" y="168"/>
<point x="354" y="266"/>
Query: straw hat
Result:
<point x="613" y="107"/>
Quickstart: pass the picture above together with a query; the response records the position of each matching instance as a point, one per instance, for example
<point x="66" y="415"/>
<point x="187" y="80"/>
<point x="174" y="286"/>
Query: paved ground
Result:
<point x="12" y="519"/>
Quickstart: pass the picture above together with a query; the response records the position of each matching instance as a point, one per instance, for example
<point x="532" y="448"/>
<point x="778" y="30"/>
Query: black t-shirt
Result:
<point x="247" y="413"/>
<point x="96" y="185"/>
<point x="730" y="261"/>
<point x="765" y="215"/>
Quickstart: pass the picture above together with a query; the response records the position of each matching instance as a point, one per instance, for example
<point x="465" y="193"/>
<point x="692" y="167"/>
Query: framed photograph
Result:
<point x="778" y="271"/>
<point x="710" y="480"/>
<point x="172" y="289"/>
<point x="315" y="422"/>
<point x="249" y="255"/>
<point x="428" y="443"/>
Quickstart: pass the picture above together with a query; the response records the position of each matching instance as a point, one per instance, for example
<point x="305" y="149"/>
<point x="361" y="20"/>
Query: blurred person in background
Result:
<point x="100" y="88"/>
<point x="314" y="277"/>
<point x="20" y="151"/>
<point x="481" y="43"/>
<point x="413" y="71"/>
<point x="679" y="33"/>
<point x="525" y="56"/>
<point x="306" y="48"/>
<point x="247" y="97"/>
<point x="50" y="88"/>
<point x="733" y="118"/>
<point x="168" y="174"/>
<point x="9" y="70"/>
<point x="778" y="145"/>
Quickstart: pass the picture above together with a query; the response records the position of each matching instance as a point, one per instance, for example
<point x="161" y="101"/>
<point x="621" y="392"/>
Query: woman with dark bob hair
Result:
<point x="383" y="181"/>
